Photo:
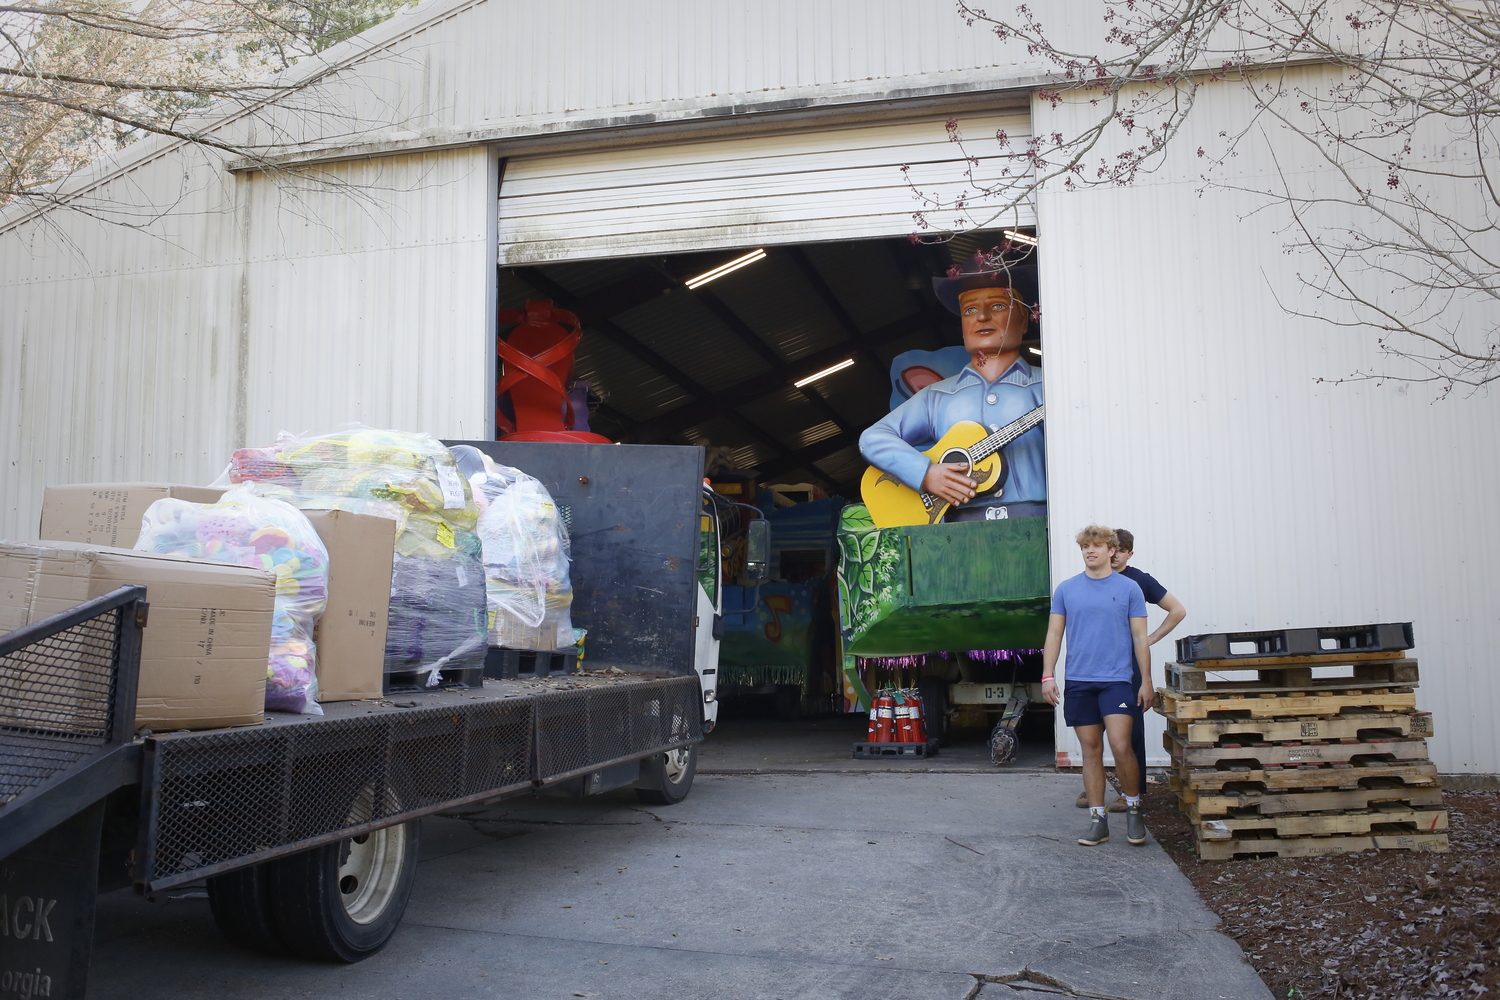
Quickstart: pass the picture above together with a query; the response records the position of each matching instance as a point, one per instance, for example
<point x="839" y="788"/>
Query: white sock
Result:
<point x="1096" y="812"/>
<point x="1131" y="801"/>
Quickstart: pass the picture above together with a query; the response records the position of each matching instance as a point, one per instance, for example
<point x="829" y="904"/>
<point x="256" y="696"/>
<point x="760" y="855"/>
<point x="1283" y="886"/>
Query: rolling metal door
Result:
<point x="826" y="184"/>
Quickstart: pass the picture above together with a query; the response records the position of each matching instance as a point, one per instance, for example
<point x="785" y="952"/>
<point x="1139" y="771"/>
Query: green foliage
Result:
<point x="299" y="28"/>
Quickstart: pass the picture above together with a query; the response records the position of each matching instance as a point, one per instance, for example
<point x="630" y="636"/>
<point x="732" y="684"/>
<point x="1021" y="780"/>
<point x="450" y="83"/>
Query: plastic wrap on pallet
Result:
<point x="257" y="531"/>
<point x="526" y="556"/>
<point x="437" y="612"/>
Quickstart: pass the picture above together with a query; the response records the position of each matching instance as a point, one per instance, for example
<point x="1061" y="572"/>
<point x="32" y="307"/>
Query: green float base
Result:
<point x="942" y="587"/>
<point x="932" y="628"/>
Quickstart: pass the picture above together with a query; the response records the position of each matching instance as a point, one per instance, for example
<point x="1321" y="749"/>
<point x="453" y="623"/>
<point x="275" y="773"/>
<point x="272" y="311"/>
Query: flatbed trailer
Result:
<point x="305" y="827"/>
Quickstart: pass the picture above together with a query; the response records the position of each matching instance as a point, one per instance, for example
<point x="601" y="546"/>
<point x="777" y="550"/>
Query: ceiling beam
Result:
<point x="626" y="341"/>
<point x="810" y="273"/>
<point x="665" y="425"/>
<point x="815" y="452"/>
<point x="622" y="296"/>
<point x="752" y="340"/>
<point x="920" y="262"/>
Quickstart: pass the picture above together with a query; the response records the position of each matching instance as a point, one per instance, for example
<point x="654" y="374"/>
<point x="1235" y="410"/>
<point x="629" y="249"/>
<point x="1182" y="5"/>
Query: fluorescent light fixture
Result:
<point x="1016" y="237"/>
<point x="723" y="269"/>
<point x="826" y="371"/>
<point x="1035" y="350"/>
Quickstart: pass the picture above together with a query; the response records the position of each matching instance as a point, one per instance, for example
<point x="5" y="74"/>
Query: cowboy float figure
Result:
<point x="996" y="390"/>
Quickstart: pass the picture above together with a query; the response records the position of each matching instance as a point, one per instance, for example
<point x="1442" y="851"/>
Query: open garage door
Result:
<point x="824" y="184"/>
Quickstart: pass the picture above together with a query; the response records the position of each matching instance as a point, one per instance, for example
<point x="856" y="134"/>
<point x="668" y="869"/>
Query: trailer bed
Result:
<point x="222" y="799"/>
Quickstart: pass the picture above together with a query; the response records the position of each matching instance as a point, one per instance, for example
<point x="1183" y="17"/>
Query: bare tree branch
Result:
<point x="80" y="78"/>
<point x="1403" y="125"/>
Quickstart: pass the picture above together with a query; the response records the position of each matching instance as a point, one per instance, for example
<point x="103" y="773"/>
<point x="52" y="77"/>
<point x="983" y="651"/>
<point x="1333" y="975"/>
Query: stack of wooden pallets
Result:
<point x="1298" y="742"/>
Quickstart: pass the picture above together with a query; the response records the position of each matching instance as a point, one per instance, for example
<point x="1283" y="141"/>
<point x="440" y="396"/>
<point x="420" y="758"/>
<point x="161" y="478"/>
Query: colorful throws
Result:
<point x="267" y="534"/>
<point x="437" y="611"/>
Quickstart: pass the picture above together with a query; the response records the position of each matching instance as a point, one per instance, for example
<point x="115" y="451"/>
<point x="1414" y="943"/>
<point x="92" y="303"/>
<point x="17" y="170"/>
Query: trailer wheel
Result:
<point x="241" y="904"/>
<point x="342" y="902"/>
<point x="666" y="778"/>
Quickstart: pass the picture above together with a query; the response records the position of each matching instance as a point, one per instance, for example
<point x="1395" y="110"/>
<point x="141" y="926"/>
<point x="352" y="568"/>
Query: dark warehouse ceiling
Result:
<point x="716" y="364"/>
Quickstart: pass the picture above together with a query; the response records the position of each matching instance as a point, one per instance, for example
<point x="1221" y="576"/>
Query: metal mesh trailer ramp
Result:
<point x="220" y="800"/>
<point x="67" y="713"/>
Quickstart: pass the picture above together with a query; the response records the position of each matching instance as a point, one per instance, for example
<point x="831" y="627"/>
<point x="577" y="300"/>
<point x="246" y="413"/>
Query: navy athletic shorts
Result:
<point x="1086" y="703"/>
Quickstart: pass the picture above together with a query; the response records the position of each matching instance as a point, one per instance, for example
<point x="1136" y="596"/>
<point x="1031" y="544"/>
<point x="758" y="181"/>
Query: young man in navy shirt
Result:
<point x="1103" y="615"/>
<point x="1155" y="594"/>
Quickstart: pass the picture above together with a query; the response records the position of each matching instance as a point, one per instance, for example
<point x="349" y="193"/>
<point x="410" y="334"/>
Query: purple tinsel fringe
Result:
<point x="922" y="659"/>
<point x="1000" y="655"/>
<point x="897" y="662"/>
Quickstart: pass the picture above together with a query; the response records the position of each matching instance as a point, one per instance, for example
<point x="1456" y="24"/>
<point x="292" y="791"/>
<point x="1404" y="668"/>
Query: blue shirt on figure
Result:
<point x="1100" y="648"/>
<point x="895" y="442"/>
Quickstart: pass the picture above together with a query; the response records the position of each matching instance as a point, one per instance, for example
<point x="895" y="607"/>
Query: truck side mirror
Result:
<point x="758" y="550"/>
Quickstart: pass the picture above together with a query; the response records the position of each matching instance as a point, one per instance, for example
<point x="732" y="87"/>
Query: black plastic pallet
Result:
<point x="407" y="681"/>
<point x="509" y="664"/>
<point x="1296" y="642"/>
<point x="871" y="751"/>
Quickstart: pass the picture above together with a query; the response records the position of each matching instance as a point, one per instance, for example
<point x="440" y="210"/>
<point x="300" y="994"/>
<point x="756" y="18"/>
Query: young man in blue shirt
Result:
<point x="1158" y="595"/>
<point x="1103" y="616"/>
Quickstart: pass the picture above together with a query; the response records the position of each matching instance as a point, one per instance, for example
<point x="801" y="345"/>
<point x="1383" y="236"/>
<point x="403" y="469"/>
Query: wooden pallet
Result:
<point x="1297" y="754"/>
<point x="1198" y="805"/>
<point x="1208" y="732"/>
<point x="1179" y="707"/>
<point x="1287" y="779"/>
<point x="1420" y="821"/>
<point x="1196" y="678"/>
<point x="1306" y="847"/>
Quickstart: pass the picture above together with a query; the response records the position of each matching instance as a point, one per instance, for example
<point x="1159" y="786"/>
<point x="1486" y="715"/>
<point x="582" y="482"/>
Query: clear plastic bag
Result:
<point x="526" y="555"/>
<point x="437" y="611"/>
<point x="258" y="531"/>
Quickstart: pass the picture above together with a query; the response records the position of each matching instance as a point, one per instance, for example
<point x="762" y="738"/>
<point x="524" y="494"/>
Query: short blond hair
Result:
<point x="1097" y="533"/>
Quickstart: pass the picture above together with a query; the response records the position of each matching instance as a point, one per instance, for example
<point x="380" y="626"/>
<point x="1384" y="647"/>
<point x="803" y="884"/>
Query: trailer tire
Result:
<point x="342" y="902"/>
<point x="666" y="778"/>
<point x="241" y="905"/>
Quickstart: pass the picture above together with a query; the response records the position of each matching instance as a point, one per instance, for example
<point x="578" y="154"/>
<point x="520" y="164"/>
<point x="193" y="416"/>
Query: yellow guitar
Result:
<point x="892" y="503"/>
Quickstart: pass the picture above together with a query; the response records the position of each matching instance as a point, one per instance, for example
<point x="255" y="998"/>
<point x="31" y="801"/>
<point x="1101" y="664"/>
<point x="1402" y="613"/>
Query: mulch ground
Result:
<point x="1380" y="925"/>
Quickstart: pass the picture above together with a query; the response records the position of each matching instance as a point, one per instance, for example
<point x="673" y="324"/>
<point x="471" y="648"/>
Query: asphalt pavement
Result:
<point x="795" y="884"/>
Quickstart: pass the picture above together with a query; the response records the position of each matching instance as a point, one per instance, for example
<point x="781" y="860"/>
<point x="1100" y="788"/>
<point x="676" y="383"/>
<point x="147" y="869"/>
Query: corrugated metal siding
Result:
<point x="832" y="184"/>
<point x="367" y="298"/>
<point x="512" y="68"/>
<point x="511" y="61"/>
<point x="118" y="344"/>
<point x="1185" y="405"/>
<point x="127" y="353"/>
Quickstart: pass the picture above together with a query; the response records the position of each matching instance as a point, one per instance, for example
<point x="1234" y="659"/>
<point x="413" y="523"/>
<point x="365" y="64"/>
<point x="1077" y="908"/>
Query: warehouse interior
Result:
<point x="774" y="359"/>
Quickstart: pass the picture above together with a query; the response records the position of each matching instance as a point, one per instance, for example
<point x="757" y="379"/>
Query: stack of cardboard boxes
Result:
<point x="1321" y="751"/>
<point x="204" y="653"/>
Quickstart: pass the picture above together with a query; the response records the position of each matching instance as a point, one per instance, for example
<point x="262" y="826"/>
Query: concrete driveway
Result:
<point x="806" y="885"/>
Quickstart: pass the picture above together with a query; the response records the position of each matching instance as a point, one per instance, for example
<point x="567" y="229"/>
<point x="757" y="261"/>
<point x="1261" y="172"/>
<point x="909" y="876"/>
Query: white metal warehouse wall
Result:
<point x="119" y="347"/>
<point x="232" y="306"/>
<point x="1183" y="404"/>
<point x="132" y="354"/>
<point x="372" y="306"/>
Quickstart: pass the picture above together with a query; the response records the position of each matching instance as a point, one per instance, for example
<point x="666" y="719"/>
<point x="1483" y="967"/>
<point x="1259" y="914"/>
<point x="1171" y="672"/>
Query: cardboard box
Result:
<point x="351" y="634"/>
<point x="204" y="651"/>
<point x="108" y="513"/>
